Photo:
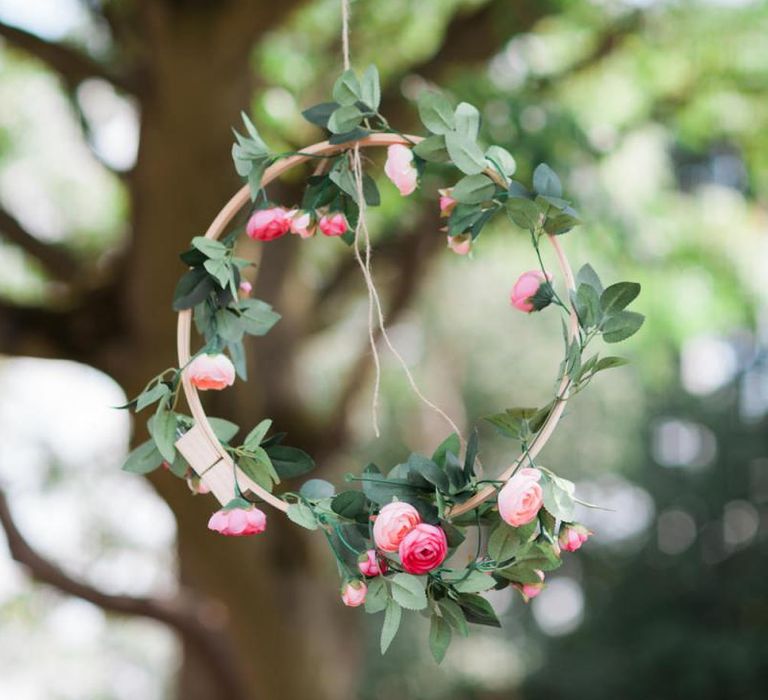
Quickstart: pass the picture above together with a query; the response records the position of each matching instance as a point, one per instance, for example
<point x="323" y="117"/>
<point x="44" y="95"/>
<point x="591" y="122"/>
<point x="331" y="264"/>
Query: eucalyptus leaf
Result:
<point x="162" y="428"/>
<point x="301" y="514"/>
<point x="143" y="459"/>
<point x="315" y="489"/>
<point x="320" y="114"/>
<point x="465" y="153"/>
<point x="290" y="462"/>
<point x="432" y="149"/>
<point x="467" y="120"/>
<point x="501" y="159"/>
<point x="346" y="89"/>
<point x="349" y="504"/>
<point x="546" y="182"/>
<point x="473" y="189"/>
<point x="223" y="429"/>
<point x="344" y="119"/>
<point x="151" y="395"/>
<point x="220" y="269"/>
<point x="436" y="112"/>
<point x="370" y="88"/>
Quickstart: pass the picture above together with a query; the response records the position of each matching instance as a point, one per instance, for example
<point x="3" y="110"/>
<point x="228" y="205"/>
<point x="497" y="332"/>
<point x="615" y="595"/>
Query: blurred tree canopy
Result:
<point x="654" y="113"/>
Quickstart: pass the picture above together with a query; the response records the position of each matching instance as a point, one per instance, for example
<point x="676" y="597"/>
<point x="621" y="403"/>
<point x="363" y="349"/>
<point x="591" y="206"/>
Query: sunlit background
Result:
<point x="656" y="115"/>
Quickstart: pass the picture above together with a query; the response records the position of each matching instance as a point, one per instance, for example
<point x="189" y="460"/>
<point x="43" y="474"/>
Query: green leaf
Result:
<point x="370" y="88"/>
<point x="320" y="114"/>
<point x="151" y="395"/>
<point x="257" y="317"/>
<point x="475" y="582"/>
<point x="377" y="596"/>
<point x="471" y="455"/>
<point x="501" y="159"/>
<point x="347" y="136"/>
<point x="505" y="541"/>
<point x="370" y="191"/>
<point x="523" y="212"/>
<point x="439" y="637"/>
<point x="408" y="591"/>
<point x="179" y="467"/>
<point x="290" y="462"/>
<point x="546" y="182"/>
<point x="210" y="248"/>
<point x="345" y="181"/>
<point x="478" y="610"/>
<point x="473" y="189"/>
<point x="349" y="504"/>
<point x="382" y="490"/>
<point x="223" y="429"/>
<point x="344" y="119"/>
<point x="432" y="149"/>
<point x="229" y="326"/>
<point x="143" y="459"/>
<point x="558" y="496"/>
<point x="463" y="217"/>
<point x="254" y="438"/>
<point x="256" y="140"/>
<point x="392" y="617"/>
<point x="467" y="120"/>
<point x="621" y="326"/>
<point x="301" y="514"/>
<point x="193" y="287"/>
<point x="315" y="489"/>
<point x="450" y="444"/>
<point x="162" y="428"/>
<point x="436" y="112"/>
<point x="454" y="615"/>
<point x="429" y="470"/>
<point x="220" y="269"/>
<point x="346" y="89"/>
<point x="587" y="275"/>
<point x="465" y="153"/>
<point x="610" y="362"/>
<point x="587" y="304"/>
<point x="258" y="470"/>
<point x="618" y="296"/>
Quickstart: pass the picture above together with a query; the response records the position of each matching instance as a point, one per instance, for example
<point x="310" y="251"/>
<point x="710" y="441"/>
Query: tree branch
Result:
<point x="71" y="64"/>
<point x="56" y="261"/>
<point x="190" y="618"/>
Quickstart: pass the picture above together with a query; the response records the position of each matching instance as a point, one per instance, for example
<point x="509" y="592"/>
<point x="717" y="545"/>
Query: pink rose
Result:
<point x="531" y="590"/>
<point x="423" y="549"/>
<point x="354" y="593"/>
<point x="238" y="521"/>
<point x="245" y="288"/>
<point x="211" y="372"/>
<point x="197" y="485"/>
<point x="460" y="244"/>
<point x="301" y="224"/>
<point x="393" y="522"/>
<point x="572" y="536"/>
<point x="521" y="498"/>
<point x="447" y="202"/>
<point x="400" y="169"/>
<point x="526" y="288"/>
<point x="371" y="565"/>
<point x="268" y="224"/>
<point x="333" y="224"/>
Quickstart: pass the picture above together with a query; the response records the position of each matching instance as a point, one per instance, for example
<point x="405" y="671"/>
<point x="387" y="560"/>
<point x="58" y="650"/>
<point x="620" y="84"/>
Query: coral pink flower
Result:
<point x="354" y="594"/>
<point x="521" y="498"/>
<point x="211" y="372"/>
<point x="525" y="289"/>
<point x="238" y="521"/>
<point x="460" y="244"/>
<point x="268" y="224"/>
<point x="333" y="224"/>
<point x="423" y="549"/>
<point x="393" y="523"/>
<point x="245" y="288"/>
<point x="572" y="536"/>
<point x="301" y="224"/>
<point x="531" y="590"/>
<point x="400" y="169"/>
<point x="371" y="565"/>
<point x="447" y="202"/>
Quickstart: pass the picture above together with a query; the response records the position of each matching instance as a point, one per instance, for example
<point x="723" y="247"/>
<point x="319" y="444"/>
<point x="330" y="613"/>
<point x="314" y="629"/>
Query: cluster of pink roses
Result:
<point x="272" y="223"/>
<point x="398" y="528"/>
<point x="236" y="522"/>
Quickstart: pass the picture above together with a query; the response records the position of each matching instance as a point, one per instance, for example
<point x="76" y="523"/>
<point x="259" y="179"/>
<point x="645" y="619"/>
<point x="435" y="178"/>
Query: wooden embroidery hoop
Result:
<point x="200" y="446"/>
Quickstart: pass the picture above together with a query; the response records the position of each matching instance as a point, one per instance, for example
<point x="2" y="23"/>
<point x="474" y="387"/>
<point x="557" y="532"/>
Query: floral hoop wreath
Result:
<point x="391" y="539"/>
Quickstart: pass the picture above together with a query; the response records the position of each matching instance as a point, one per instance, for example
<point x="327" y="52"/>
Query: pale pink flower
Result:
<point x="460" y="244"/>
<point x="333" y="224"/>
<point x="572" y="536"/>
<point x="372" y="565"/>
<point x="238" y="521"/>
<point x="423" y="549"/>
<point x="211" y="372"/>
<point x="393" y="523"/>
<point x="526" y="288"/>
<point x="354" y="594"/>
<point x="521" y="497"/>
<point x="301" y="223"/>
<point x="531" y="590"/>
<point x="400" y="168"/>
<point x="245" y="288"/>
<point x="268" y="224"/>
<point x="447" y="202"/>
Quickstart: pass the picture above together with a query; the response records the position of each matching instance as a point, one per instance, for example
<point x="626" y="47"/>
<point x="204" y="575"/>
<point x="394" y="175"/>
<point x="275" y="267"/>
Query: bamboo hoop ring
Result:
<point x="203" y="449"/>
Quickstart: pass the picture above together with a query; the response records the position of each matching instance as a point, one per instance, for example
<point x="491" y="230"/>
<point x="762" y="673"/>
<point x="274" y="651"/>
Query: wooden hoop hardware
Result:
<point x="200" y="446"/>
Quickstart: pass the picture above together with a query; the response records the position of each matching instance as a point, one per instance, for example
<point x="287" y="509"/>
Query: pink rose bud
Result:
<point x="211" y="372"/>
<point x="268" y="224"/>
<point x="245" y="288"/>
<point x="301" y="224"/>
<point x="572" y="536"/>
<point x="521" y="498"/>
<point x="238" y="521"/>
<point x="400" y="168"/>
<point x="393" y="522"/>
<point x="197" y="485"/>
<point x="460" y="244"/>
<point x="531" y="590"/>
<point x="447" y="202"/>
<point x="370" y="564"/>
<point x="353" y="594"/>
<point x="423" y="549"/>
<point x="532" y="291"/>
<point x="333" y="224"/>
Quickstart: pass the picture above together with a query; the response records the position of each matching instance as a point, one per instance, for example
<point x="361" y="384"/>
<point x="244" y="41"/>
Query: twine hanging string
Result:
<point x="374" y="301"/>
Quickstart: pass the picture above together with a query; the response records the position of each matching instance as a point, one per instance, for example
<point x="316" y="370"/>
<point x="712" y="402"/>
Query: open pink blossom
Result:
<point x="423" y="549"/>
<point x="211" y="372"/>
<point x="572" y="536"/>
<point x="268" y="224"/>
<point x="531" y="590"/>
<point x="334" y="224"/>
<point x="447" y="202"/>
<point x="521" y="497"/>
<point x="392" y="523"/>
<point x="372" y="565"/>
<point x="301" y="224"/>
<point x="460" y="244"/>
<point x="526" y="288"/>
<point x="238" y="521"/>
<point x="354" y="594"/>
<point x="400" y="168"/>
